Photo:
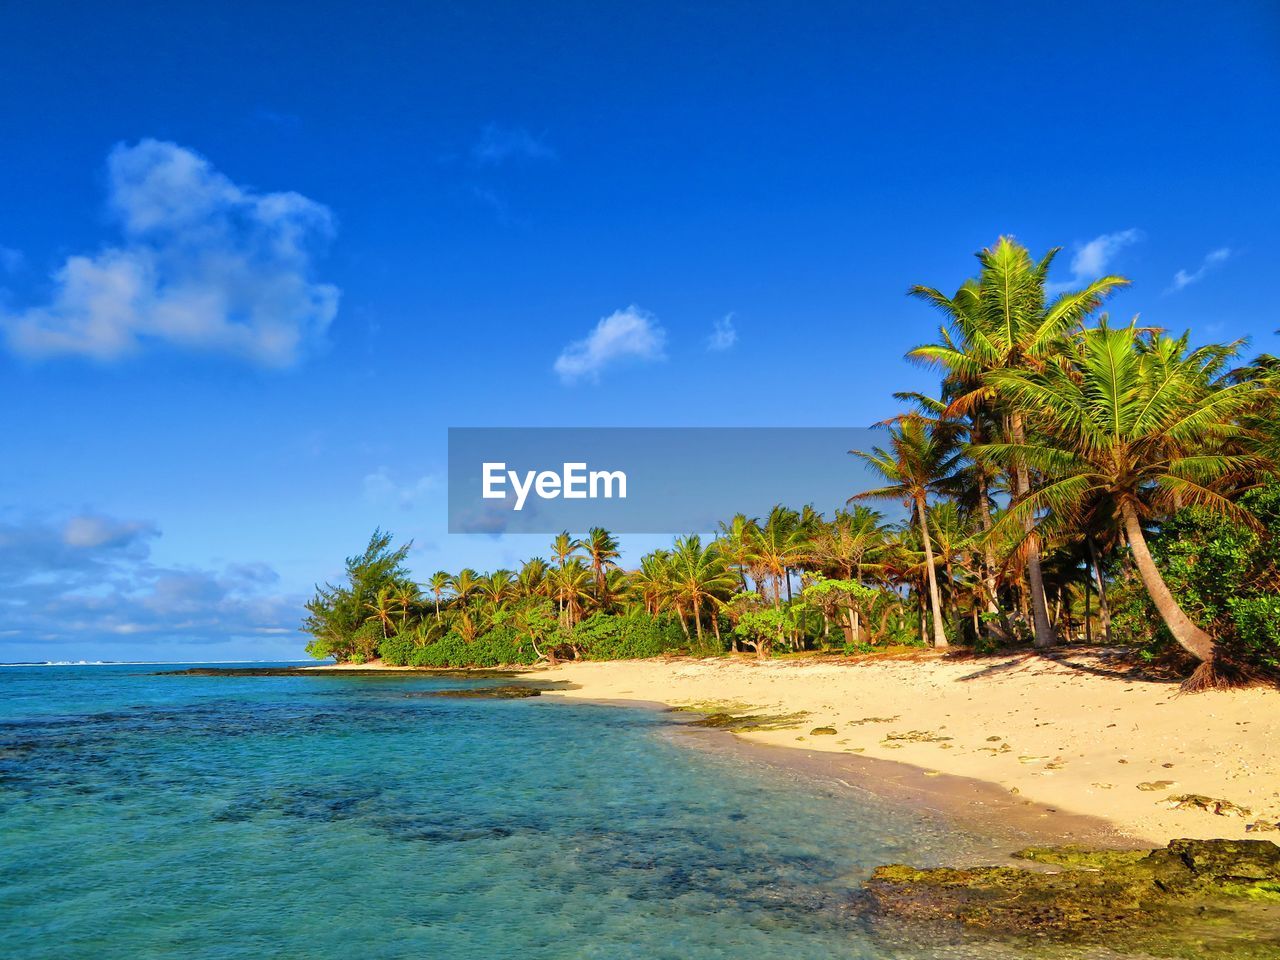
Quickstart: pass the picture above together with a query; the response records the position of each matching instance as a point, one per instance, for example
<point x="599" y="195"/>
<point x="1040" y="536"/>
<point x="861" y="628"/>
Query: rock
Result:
<point x="740" y="722"/>
<point x="1196" y="801"/>
<point x="822" y="732"/>
<point x="1136" y="898"/>
<point x="509" y="691"/>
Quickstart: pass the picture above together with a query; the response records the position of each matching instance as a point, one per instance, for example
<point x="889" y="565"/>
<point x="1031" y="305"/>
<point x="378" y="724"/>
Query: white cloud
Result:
<point x="624" y="334"/>
<point x="1091" y="260"/>
<point x="499" y="144"/>
<point x="205" y="265"/>
<point x="1211" y="259"/>
<point x="723" y="334"/>
<point x="381" y="489"/>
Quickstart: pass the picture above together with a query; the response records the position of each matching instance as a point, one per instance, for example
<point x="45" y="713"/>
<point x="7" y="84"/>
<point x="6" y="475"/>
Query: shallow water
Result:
<point x="335" y="817"/>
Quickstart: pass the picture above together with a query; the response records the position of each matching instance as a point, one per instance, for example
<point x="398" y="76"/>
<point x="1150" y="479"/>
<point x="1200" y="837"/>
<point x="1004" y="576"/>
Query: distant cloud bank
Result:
<point x="87" y="578"/>
<point x="1212" y="259"/>
<point x="630" y="334"/>
<point x="205" y="265"/>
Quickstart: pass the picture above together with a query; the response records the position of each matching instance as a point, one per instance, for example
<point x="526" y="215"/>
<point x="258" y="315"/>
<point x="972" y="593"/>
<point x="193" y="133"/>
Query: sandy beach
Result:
<point x="1073" y="736"/>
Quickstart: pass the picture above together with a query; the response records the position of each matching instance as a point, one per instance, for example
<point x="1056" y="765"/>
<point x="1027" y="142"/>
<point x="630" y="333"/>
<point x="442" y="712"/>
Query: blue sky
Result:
<point x="253" y="264"/>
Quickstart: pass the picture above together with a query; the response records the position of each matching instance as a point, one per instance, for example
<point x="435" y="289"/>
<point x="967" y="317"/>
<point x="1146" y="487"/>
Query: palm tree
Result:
<point x="438" y="584"/>
<point x="842" y="548"/>
<point x="602" y="550"/>
<point x="531" y="581"/>
<point x="1003" y="322"/>
<point x="736" y="544"/>
<point x="1139" y="424"/>
<point x="563" y="547"/>
<point x="464" y="585"/>
<point x="382" y="606"/>
<point x="571" y="584"/>
<point x="496" y="588"/>
<point x="778" y="545"/>
<point x="921" y="460"/>
<point x="699" y="575"/>
<point x="652" y="582"/>
<point x="407" y="596"/>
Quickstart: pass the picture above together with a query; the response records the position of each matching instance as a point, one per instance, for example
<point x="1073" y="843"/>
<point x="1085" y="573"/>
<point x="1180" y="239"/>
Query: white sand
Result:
<point x="1054" y="733"/>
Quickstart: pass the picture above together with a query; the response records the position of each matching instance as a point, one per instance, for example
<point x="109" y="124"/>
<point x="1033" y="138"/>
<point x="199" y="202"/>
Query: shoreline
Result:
<point x="1067" y="750"/>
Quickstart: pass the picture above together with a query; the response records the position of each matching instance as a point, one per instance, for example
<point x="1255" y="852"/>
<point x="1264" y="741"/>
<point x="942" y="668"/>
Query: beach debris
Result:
<point x="1150" y="785"/>
<point x="994" y="739"/>
<point x="823" y="732"/>
<point x="1262" y="826"/>
<point x="1196" y="801"/>
<point x="913" y="736"/>
<point x="856" y="723"/>
<point x="1031" y="759"/>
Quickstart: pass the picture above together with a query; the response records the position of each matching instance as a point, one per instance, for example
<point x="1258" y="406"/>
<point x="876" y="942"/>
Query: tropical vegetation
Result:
<point x="1071" y="480"/>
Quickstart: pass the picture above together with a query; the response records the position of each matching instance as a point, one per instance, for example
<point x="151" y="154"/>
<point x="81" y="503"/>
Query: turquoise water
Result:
<point x="336" y="817"/>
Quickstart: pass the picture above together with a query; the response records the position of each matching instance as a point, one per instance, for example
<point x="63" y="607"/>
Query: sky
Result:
<point x="256" y="259"/>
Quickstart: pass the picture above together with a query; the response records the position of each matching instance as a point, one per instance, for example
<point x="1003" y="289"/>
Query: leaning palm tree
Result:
<point x="1004" y="321"/>
<point x="920" y="461"/>
<point x="1139" y="425"/>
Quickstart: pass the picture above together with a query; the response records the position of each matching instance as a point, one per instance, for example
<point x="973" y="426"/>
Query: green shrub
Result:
<point x="397" y="650"/>
<point x="1224" y="575"/>
<point x="630" y="636"/>
<point x="499" y="647"/>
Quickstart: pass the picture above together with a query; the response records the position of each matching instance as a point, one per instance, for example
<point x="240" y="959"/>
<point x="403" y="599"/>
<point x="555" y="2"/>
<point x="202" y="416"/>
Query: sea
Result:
<point x="145" y="813"/>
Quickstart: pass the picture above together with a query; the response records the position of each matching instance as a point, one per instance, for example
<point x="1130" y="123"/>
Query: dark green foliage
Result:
<point x="1223" y="574"/>
<point x="499" y="647"/>
<point x="397" y="650"/>
<point x="337" y="616"/>
<point x="631" y="636"/>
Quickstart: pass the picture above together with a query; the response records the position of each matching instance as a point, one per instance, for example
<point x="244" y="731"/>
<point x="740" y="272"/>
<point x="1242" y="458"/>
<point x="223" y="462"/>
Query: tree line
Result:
<point x="1070" y="480"/>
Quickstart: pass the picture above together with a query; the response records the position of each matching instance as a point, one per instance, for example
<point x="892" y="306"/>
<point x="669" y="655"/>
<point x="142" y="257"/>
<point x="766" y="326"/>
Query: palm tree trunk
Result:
<point x="1039" y="609"/>
<point x="1088" y="614"/>
<point x="1001" y="629"/>
<point x="939" y="631"/>
<point x="1190" y="637"/>
<point x="1104" y="609"/>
